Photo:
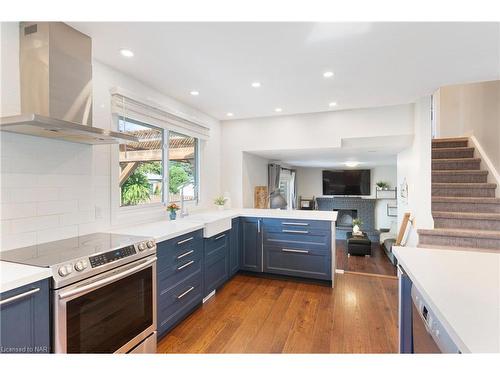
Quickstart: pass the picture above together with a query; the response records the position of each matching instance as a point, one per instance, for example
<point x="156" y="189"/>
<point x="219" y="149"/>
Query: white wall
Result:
<point x="472" y="109"/>
<point x="414" y="165"/>
<point x="309" y="183"/>
<point x="55" y="189"/>
<point x="308" y="131"/>
<point x="254" y="174"/>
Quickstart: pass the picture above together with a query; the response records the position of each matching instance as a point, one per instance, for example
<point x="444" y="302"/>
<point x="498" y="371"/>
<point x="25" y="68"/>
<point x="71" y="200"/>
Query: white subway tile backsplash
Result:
<point x="13" y="241"/>
<point x="56" y="207"/>
<point x="55" y="234"/>
<point x="79" y="217"/>
<point x="37" y="223"/>
<point x="17" y="210"/>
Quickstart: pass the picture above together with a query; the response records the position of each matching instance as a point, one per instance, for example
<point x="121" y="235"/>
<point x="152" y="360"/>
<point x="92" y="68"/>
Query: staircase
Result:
<point x="465" y="211"/>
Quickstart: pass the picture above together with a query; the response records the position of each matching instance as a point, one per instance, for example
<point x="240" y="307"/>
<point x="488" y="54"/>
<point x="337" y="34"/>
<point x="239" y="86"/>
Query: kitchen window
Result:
<point x="159" y="167"/>
<point x="182" y="167"/>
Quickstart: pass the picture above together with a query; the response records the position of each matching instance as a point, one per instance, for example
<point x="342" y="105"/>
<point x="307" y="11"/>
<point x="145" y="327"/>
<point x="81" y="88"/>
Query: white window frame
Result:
<point x="123" y="215"/>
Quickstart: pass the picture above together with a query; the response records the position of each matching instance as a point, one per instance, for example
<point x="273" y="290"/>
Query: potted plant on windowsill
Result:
<point x="220" y="202"/>
<point x="172" y="210"/>
<point x="356" y="227"/>
<point x="382" y="185"/>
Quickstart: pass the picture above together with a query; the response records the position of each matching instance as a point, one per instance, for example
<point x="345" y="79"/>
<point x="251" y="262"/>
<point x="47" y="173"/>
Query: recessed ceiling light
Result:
<point x="351" y="164"/>
<point x="278" y="109"/>
<point x="255" y="84"/>
<point x="328" y="74"/>
<point x="229" y="114"/>
<point x="195" y="93"/>
<point x="126" y="52"/>
<point x="332" y="104"/>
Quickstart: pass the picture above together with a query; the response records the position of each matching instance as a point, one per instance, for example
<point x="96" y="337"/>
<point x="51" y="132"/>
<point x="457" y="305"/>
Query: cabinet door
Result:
<point x="216" y="264"/>
<point x="25" y="319"/>
<point x="251" y="243"/>
<point x="234" y="247"/>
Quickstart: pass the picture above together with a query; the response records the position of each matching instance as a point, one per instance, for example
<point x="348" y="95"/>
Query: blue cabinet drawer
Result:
<point x="25" y="319"/>
<point x="215" y="242"/>
<point x="171" y="256"/>
<point x="299" y="224"/>
<point x="175" y="303"/>
<point x="297" y="262"/>
<point x="298" y="238"/>
<point x="176" y="273"/>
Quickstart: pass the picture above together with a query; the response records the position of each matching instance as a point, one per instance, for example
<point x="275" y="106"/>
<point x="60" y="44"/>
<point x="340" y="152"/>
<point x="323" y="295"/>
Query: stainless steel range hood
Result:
<point x="56" y="86"/>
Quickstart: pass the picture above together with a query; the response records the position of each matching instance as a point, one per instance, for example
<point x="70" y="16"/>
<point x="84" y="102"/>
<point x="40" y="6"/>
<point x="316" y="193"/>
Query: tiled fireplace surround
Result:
<point x="364" y="208"/>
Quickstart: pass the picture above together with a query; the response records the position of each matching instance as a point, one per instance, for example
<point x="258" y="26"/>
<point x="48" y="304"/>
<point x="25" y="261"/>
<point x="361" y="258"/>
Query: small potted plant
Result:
<point x="382" y="185"/>
<point x="172" y="210"/>
<point x="220" y="202"/>
<point x="356" y="224"/>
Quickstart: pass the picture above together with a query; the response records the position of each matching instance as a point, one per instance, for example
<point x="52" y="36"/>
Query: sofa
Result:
<point x="387" y="241"/>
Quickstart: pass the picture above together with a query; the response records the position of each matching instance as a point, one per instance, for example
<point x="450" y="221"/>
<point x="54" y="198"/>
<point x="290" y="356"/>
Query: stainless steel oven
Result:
<point x="112" y="312"/>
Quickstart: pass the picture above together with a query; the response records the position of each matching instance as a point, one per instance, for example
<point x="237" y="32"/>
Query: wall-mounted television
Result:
<point x="346" y="182"/>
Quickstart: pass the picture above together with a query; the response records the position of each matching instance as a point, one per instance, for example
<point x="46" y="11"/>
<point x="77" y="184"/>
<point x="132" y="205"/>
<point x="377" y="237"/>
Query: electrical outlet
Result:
<point x="98" y="212"/>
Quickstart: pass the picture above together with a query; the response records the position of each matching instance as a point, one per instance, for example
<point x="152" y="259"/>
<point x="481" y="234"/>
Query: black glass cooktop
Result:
<point x="51" y="253"/>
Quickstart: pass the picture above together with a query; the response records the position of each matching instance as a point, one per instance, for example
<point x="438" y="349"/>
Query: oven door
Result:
<point x="109" y="313"/>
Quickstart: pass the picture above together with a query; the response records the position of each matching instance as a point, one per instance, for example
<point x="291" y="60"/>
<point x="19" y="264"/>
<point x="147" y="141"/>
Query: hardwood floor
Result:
<point x="378" y="263"/>
<point x="253" y="314"/>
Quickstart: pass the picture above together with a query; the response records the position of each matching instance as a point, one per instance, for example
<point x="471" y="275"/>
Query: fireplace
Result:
<point x="345" y="218"/>
<point x="348" y="209"/>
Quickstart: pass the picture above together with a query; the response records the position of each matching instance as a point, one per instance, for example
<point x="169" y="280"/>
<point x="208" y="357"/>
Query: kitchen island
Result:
<point x="462" y="288"/>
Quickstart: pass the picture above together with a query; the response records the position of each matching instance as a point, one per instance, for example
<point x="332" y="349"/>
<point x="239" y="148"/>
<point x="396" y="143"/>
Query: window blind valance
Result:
<point x="126" y="105"/>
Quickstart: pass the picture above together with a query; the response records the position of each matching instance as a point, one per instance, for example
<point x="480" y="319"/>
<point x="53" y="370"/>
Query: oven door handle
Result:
<point x="107" y="280"/>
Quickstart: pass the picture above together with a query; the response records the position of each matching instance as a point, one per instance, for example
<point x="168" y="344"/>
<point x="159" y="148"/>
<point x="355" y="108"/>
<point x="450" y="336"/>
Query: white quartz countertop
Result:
<point x="463" y="290"/>
<point x="165" y="229"/>
<point x="13" y="275"/>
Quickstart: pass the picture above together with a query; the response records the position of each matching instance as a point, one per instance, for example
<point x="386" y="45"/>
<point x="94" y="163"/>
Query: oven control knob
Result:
<point x="80" y="265"/>
<point x="151" y="244"/>
<point x="142" y="246"/>
<point x="65" y="270"/>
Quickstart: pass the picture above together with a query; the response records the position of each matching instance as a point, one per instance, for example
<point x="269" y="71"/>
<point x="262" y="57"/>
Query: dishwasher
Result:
<point x="429" y="335"/>
<point x="420" y="329"/>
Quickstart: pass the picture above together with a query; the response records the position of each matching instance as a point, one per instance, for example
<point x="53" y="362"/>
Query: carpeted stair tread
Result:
<point x="465" y="185"/>
<point x="457" y="248"/>
<point x="466" y="215"/>
<point x="488" y="200"/>
<point x="463" y="233"/>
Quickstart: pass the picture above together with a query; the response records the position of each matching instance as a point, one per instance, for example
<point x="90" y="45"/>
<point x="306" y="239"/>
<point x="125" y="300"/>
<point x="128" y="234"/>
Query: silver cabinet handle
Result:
<point x="185" y="254"/>
<point x="297" y="224"/>
<point x="186" y="240"/>
<point x="221" y="236"/>
<point x="191" y="288"/>
<point x="294" y="231"/>
<point x="258" y="226"/>
<point x="19" y="296"/>
<point x="185" y="265"/>
<point x="295" y="251"/>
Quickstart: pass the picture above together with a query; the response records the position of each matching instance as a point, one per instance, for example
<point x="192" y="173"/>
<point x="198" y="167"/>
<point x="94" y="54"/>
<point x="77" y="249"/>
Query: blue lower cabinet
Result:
<point x="179" y="279"/>
<point x="25" y="319"/>
<point x="216" y="261"/>
<point x="291" y="261"/>
<point x="234" y="247"/>
<point x="175" y="303"/>
<point x="251" y="244"/>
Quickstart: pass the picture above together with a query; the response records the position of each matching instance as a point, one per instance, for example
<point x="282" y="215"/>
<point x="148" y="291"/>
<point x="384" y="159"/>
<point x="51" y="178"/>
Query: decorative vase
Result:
<point x="220" y="207"/>
<point x="355" y="229"/>
<point x="173" y="215"/>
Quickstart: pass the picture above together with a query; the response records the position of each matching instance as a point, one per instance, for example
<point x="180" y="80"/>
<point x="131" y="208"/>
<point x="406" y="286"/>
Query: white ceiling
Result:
<point x="375" y="64"/>
<point x="368" y="152"/>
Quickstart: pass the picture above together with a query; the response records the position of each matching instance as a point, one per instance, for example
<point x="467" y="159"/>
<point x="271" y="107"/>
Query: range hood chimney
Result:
<point x="56" y="86"/>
